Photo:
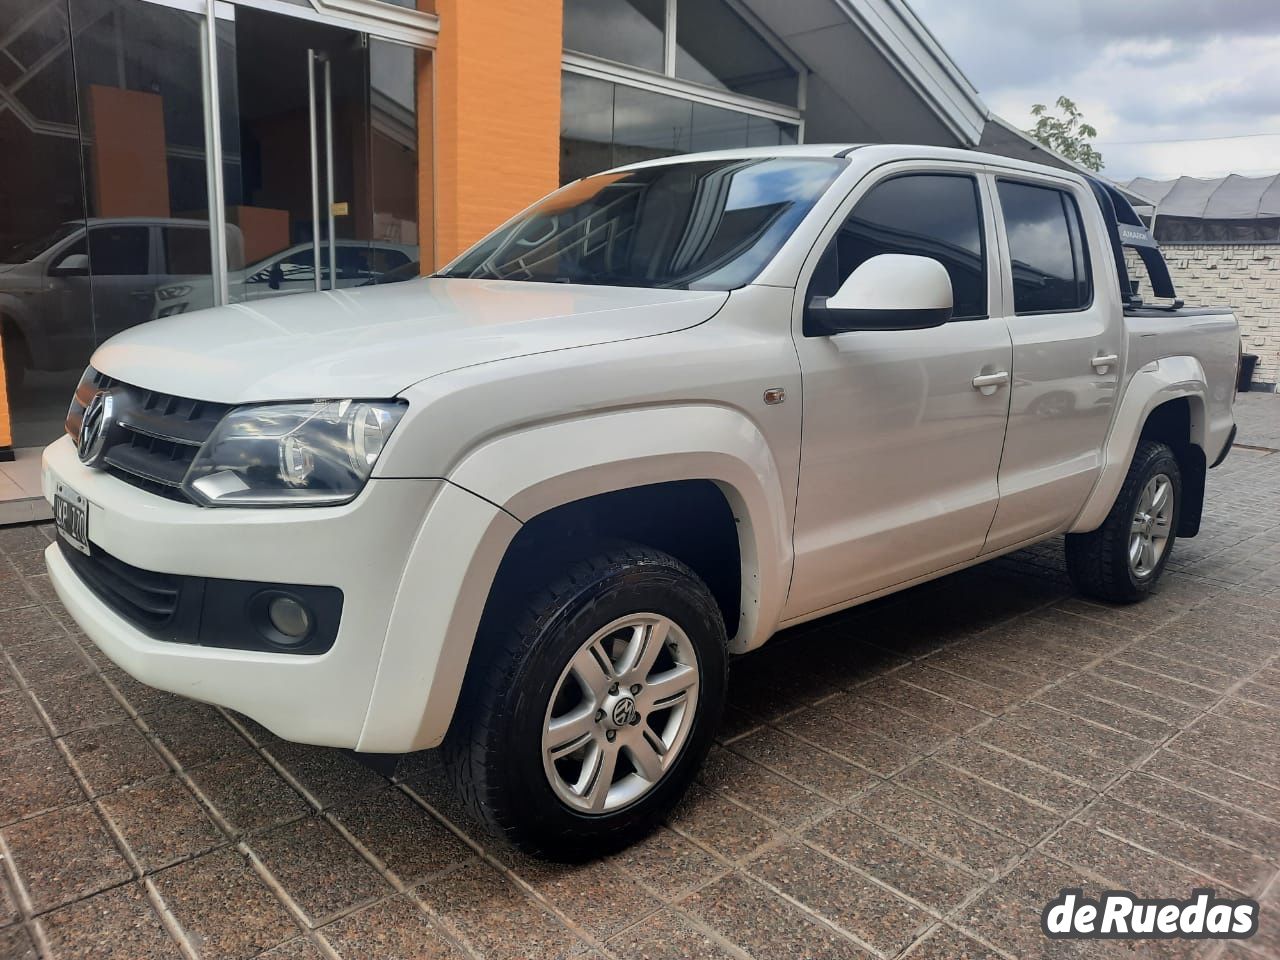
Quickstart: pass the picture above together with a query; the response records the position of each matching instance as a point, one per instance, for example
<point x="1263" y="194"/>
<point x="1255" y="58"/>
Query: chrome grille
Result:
<point x="156" y="435"/>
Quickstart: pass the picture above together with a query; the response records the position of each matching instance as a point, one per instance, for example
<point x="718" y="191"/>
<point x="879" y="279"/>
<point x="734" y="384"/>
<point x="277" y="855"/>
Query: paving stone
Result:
<point x="35" y="778"/>
<point x="18" y="718"/>
<point x="1017" y="776"/>
<point x="998" y="809"/>
<point x="118" y="924"/>
<point x="248" y="793"/>
<point x="223" y="906"/>
<point x="15" y="944"/>
<point x="494" y="919"/>
<point x="331" y="776"/>
<point x="761" y="790"/>
<point x="947" y="943"/>
<point x="161" y="822"/>
<point x="719" y="823"/>
<point x="411" y="843"/>
<point x="323" y="873"/>
<point x="598" y="896"/>
<point x="766" y="927"/>
<point x="666" y="936"/>
<point x="48" y="659"/>
<point x="1217" y="859"/>
<point x="196" y="734"/>
<point x="807" y="765"/>
<point x="667" y="864"/>
<point x="114" y="756"/>
<point x="27" y="624"/>
<point x="389" y="929"/>
<point x="938" y="829"/>
<point x="65" y="855"/>
<point x="893" y="861"/>
<point x="77" y="703"/>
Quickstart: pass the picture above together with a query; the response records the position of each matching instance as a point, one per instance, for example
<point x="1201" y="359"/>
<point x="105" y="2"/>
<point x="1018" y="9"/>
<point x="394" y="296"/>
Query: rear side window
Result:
<point x="928" y="215"/>
<point x="1046" y="246"/>
<point x="186" y="251"/>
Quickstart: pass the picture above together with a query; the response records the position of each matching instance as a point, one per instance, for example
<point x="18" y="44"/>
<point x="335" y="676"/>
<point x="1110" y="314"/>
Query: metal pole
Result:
<point x="328" y="146"/>
<point x="315" y="166"/>
<point x="213" y="158"/>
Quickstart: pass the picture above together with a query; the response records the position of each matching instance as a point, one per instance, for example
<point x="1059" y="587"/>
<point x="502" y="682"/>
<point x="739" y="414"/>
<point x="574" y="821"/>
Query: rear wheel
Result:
<point x="1122" y="560"/>
<point x="582" y="725"/>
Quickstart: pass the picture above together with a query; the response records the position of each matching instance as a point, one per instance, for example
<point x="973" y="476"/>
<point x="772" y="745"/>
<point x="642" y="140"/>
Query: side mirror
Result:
<point x="892" y="291"/>
<point x="72" y="265"/>
<point x="275" y="276"/>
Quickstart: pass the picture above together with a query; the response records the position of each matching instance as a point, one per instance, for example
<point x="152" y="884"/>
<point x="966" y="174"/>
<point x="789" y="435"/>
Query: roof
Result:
<point x="874" y="153"/>
<point x="1224" y="198"/>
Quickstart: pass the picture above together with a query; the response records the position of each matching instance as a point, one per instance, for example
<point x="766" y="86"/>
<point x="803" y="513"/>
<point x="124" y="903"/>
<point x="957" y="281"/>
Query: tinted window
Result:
<point x="716" y="47"/>
<point x="1050" y="266"/>
<point x="118" y="251"/>
<point x="186" y="250"/>
<point x="928" y="215"/>
<point x="706" y="225"/>
<point x="629" y="31"/>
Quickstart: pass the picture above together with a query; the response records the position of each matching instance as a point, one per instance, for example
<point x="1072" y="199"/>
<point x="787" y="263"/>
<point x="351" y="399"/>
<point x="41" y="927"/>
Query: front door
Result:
<point x="1067" y="345"/>
<point x="900" y="448"/>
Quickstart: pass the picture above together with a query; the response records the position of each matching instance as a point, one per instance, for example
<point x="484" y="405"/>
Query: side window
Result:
<point x="119" y="251"/>
<point x="1046" y="246"/>
<point x="928" y="215"/>
<point x="186" y="251"/>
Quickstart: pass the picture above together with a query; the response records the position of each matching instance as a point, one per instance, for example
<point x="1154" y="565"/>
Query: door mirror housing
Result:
<point x="275" y="276"/>
<point x="72" y="265"/>
<point x="892" y="291"/>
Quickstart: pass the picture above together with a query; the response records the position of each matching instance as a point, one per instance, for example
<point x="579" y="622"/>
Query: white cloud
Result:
<point x="1157" y="80"/>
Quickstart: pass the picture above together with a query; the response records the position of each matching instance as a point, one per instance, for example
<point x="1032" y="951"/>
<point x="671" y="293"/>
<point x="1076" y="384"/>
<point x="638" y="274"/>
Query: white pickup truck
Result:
<point x="524" y="509"/>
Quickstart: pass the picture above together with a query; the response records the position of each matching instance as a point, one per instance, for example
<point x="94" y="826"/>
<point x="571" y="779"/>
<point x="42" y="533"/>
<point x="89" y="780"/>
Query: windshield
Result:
<point x="702" y="225"/>
<point x="28" y="250"/>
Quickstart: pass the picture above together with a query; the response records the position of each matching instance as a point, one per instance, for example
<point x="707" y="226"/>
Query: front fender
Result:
<point x="1158" y="382"/>
<point x="536" y="470"/>
<point x="515" y="477"/>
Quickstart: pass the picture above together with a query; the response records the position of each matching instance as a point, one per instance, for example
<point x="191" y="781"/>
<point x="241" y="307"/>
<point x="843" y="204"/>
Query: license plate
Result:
<point x="71" y="514"/>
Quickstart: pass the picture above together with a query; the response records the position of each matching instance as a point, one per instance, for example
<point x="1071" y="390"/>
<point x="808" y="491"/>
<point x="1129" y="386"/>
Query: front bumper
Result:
<point x="362" y="547"/>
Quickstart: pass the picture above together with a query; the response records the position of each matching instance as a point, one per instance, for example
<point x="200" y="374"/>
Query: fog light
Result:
<point x="290" y="618"/>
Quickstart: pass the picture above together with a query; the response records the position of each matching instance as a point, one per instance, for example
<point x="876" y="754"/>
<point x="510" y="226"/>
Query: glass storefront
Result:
<point x="606" y="124"/>
<point x="107" y="194"/>
<point x="611" y="120"/>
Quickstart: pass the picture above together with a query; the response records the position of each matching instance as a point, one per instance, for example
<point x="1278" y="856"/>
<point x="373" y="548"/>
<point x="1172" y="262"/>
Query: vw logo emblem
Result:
<point x="94" y="428"/>
<point x="623" y="710"/>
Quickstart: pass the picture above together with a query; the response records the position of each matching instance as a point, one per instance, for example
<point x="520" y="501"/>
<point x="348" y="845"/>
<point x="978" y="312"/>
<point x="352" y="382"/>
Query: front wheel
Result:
<point x="1122" y="560"/>
<point x="582" y="726"/>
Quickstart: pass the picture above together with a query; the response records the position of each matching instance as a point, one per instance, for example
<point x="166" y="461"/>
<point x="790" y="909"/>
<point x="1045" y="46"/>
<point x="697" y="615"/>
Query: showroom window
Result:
<point x="653" y="78"/>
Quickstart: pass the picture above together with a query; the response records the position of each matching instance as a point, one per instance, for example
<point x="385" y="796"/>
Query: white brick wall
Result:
<point x="1245" y="277"/>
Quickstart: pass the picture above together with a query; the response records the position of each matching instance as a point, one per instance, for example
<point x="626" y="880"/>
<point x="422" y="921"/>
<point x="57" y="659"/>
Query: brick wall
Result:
<point x="1246" y="277"/>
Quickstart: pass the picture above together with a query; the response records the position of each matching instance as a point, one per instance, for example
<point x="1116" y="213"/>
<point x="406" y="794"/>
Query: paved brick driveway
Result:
<point x="917" y="777"/>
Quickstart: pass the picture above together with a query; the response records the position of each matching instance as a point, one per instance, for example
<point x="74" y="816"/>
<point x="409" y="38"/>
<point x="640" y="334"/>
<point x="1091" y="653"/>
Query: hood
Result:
<point x="370" y="342"/>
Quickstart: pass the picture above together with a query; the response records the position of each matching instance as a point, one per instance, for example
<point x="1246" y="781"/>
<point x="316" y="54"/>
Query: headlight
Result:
<point x="173" y="292"/>
<point x="292" y="453"/>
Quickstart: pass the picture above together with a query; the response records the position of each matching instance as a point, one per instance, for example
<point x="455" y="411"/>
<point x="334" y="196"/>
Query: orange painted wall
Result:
<point x="130" y="172"/>
<point x="497" y="113"/>
<point x="6" y="432"/>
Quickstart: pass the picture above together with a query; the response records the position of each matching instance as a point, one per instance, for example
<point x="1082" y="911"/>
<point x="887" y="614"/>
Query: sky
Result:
<point x="1174" y="87"/>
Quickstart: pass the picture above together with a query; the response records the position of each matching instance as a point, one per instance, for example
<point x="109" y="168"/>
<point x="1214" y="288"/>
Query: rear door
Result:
<point x="1067" y="342"/>
<point x="124" y="276"/>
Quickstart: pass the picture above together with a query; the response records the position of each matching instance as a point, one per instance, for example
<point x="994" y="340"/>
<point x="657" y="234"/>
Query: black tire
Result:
<point x="1098" y="562"/>
<point x="494" y="752"/>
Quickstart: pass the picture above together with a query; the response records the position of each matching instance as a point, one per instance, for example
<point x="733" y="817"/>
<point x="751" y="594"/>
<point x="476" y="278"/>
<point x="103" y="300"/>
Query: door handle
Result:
<point x="1101" y="363"/>
<point x="991" y="380"/>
